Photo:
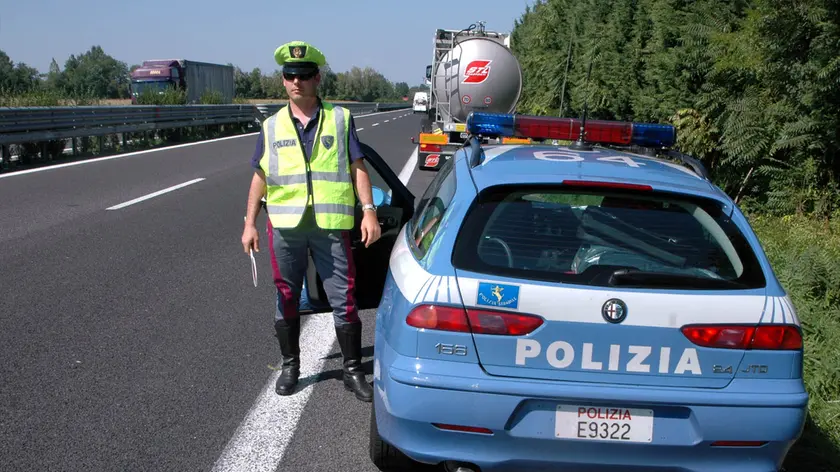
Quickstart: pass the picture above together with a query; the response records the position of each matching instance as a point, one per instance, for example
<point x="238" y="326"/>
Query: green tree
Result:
<point x="17" y="78"/>
<point x="257" y="87"/>
<point x="401" y="90"/>
<point x="96" y="74"/>
<point x="329" y="82"/>
<point x="54" y="79"/>
<point x="750" y="84"/>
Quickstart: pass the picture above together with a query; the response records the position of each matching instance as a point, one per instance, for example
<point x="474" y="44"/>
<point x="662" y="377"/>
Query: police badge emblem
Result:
<point x="297" y="51"/>
<point x="327" y="141"/>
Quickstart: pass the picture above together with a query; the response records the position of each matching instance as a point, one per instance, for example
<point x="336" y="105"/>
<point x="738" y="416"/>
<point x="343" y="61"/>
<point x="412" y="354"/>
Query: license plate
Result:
<point x="603" y="424"/>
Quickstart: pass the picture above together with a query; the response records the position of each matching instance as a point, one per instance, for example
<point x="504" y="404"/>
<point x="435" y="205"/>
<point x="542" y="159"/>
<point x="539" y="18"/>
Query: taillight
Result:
<point x="768" y="337"/>
<point x="498" y="322"/>
<point x="448" y="318"/>
<point x="444" y="318"/>
<point x="429" y="147"/>
<point x="777" y="337"/>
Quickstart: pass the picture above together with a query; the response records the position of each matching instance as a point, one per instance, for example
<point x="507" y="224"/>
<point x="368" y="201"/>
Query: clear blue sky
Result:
<point x="392" y="36"/>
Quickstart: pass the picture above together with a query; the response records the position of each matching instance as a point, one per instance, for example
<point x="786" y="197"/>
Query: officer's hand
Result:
<point x="370" y="228"/>
<point x="250" y="238"/>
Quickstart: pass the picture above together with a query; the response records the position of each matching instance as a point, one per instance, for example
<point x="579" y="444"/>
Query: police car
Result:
<point x="578" y="307"/>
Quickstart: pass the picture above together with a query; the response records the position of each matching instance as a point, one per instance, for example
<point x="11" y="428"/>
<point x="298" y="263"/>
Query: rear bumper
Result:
<point x="411" y="394"/>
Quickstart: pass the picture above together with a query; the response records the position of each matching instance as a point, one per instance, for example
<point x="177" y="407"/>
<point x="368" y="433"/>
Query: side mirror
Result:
<point x="380" y="198"/>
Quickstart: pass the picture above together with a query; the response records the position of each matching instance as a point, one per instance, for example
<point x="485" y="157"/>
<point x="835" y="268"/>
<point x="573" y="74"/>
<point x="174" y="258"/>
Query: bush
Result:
<point x="44" y="97"/>
<point x="212" y="97"/>
<point x="169" y="96"/>
<point x="805" y="254"/>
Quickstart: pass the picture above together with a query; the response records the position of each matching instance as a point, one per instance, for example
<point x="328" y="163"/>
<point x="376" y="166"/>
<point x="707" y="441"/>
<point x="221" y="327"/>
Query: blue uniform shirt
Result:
<point x="307" y="136"/>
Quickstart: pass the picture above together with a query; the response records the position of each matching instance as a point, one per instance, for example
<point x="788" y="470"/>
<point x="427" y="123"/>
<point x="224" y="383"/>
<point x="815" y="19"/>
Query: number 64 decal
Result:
<point x="569" y="156"/>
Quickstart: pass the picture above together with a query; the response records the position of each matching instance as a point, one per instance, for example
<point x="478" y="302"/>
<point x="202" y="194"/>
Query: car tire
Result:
<point x="385" y="457"/>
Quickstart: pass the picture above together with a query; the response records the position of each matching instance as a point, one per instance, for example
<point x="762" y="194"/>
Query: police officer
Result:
<point x="307" y="163"/>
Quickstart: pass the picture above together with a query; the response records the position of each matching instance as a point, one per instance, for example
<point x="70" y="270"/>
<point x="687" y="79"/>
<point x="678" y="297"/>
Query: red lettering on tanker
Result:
<point x="477" y="72"/>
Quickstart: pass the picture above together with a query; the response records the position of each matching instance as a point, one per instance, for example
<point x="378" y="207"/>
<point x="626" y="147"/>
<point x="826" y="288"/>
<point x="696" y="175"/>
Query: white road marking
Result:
<point x="155" y="194"/>
<point x="387" y="121"/>
<point x="359" y="129"/>
<point x="261" y="439"/>
<point x="408" y="168"/>
<point x="379" y="113"/>
<point x="375" y="124"/>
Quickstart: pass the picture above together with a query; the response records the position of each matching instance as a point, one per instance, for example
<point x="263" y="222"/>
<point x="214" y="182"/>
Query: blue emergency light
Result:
<point x="568" y="129"/>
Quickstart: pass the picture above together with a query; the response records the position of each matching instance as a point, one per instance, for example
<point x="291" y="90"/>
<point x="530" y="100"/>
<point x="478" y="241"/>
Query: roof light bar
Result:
<point x="568" y="129"/>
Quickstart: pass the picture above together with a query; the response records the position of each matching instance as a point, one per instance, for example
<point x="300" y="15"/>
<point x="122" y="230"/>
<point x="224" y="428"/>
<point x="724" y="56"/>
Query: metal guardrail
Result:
<point x="357" y="108"/>
<point x="39" y="124"/>
<point x="35" y="124"/>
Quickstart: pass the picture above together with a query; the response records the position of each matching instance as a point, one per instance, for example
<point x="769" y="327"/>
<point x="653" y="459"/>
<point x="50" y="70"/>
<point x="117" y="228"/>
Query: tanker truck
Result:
<point x="472" y="69"/>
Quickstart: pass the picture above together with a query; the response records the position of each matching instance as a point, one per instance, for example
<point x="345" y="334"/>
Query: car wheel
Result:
<point x="385" y="457"/>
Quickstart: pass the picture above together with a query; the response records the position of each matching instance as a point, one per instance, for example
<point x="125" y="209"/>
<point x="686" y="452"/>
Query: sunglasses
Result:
<point x="303" y="77"/>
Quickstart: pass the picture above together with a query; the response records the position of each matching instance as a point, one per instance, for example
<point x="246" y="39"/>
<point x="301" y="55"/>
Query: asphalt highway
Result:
<point x="132" y="337"/>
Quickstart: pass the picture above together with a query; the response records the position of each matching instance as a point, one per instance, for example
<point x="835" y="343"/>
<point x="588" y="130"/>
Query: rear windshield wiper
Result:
<point x="642" y="279"/>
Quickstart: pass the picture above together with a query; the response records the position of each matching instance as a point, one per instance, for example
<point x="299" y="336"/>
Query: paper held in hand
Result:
<point x="253" y="267"/>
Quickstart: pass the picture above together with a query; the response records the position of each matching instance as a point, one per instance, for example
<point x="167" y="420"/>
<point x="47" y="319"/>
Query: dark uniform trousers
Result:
<point x="333" y="258"/>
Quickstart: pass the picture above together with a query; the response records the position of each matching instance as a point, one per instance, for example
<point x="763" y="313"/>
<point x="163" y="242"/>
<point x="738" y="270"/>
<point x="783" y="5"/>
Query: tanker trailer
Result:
<point x="472" y="69"/>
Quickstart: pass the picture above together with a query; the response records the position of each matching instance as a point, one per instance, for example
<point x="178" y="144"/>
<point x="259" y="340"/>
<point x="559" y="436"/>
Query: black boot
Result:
<point x="288" y="334"/>
<point x="350" y="341"/>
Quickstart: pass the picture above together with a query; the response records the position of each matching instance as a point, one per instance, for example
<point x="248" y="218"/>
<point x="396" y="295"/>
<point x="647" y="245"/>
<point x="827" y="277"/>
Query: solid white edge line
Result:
<point x="260" y="441"/>
<point x="408" y="168"/>
<point x="155" y="194"/>
<point x="145" y="151"/>
<point x="377" y="113"/>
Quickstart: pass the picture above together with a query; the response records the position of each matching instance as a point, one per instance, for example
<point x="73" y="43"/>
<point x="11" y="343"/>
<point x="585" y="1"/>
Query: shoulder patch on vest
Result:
<point x="327" y="141"/>
<point x="284" y="143"/>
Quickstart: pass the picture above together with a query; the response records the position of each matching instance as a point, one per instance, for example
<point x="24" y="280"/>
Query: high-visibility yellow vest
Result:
<point x="324" y="182"/>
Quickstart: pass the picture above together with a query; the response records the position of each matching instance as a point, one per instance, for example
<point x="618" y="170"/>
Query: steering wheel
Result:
<point x="506" y="248"/>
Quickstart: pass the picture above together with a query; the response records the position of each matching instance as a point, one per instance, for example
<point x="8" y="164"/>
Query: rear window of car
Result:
<point x="606" y="237"/>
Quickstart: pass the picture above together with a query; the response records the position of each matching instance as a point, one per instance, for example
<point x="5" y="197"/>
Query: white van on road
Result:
<point x="421" y="101"/>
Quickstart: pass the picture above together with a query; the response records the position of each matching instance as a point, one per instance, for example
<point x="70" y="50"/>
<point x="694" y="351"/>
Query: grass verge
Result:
<point x="805" y="254"/>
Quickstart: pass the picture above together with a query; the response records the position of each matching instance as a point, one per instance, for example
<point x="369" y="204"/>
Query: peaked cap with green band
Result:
<point x="298" y="57"/>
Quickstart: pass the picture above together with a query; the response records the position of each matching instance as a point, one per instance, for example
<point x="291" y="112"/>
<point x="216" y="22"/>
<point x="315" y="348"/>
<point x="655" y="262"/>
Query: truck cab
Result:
<point x="156" y="76"/>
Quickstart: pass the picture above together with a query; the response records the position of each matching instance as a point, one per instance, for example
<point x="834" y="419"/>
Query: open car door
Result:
<point x="395" y="206"/>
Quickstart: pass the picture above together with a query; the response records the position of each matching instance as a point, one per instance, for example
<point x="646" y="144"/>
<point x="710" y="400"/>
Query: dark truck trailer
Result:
<point x="193" y="76"/>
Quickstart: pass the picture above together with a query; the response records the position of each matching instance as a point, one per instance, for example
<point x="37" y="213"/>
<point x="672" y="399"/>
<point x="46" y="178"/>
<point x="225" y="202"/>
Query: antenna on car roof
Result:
<point x="580" y="144"/>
